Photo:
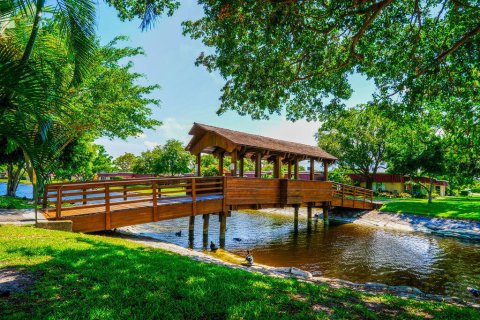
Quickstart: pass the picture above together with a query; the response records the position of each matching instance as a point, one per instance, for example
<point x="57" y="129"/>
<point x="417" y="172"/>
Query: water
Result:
<point x="350" y="252"/>
<point x="23" y="190"/>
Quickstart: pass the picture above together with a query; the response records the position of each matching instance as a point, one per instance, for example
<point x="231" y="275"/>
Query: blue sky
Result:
<point x="189" y="93"/>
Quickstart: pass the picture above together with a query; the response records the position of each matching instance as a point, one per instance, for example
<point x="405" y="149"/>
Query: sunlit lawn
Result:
<point x="92" y="277"/>
<point x="14" y="203"/>
<point x="446" y="207"/>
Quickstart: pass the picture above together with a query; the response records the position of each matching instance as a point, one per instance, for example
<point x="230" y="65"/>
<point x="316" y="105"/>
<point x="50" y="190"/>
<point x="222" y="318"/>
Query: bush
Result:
<point x="116" y="178"/>
<point x="386" y="195"/>
<point x="421" y="195"/>
<point x="475" y="190"/>
<point x="465" y="193"/>
<point x="404" y="195"/>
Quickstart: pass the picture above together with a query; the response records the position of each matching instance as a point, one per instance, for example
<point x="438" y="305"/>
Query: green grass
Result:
<point x="93" y="277"/>
<point x="5" y="180"/>
<point x="14" y="203"/>
<point x="446" y="207"/>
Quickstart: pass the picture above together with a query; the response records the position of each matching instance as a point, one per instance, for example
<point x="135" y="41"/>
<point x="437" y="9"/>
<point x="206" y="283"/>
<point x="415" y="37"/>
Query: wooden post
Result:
<point x="154" y="200"/>
<point x="223" y="228"/>
<point x="289" y="173"/>
<point x="295" y="169"/>
<point x="206" y="218"/>
<point x="309" y="217"/>
<point x="220" y="164"/>
<point x="59" y="203"/>
<point x="312" y="169"/>
<point x="233" y="165"/>
<point x="325" y="215"/>
<point x="199" y="165"/>
<point x="295" y="218"/>
<point x="107" y="208"/>
<point x="258" y="165"/>
<point x="325" y="170"/>
<point x="194" y="197"/>
<point x="125" y="193"/>
<point x="191" y="231"/>
<point x="277" y="168"/>
<point x="242" y="163"/>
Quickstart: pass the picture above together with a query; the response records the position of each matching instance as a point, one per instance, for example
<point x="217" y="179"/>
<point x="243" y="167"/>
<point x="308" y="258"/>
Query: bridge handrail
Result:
<point x="96" y="194"/>
<point x="345" y="191"/>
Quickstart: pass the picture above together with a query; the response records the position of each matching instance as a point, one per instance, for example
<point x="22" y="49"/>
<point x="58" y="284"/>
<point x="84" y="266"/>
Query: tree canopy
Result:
<point x="297" y="55"/>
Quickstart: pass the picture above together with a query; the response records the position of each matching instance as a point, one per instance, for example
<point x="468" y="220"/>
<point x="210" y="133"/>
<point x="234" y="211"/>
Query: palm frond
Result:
<point x="77" y="24"/>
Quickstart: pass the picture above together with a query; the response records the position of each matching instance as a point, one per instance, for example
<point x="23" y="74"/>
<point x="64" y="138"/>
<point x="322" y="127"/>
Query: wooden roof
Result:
<point x="209" y="139"/>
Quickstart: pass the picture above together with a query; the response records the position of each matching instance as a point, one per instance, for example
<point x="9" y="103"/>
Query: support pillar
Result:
<point x="289" y="173"/>
<point x="325" y="170"/>
<point x="223" y="228"/>
<point x="277" y="168"/>
<point x="326" y="221"/>
<point x="233" y="164"/>
<point x="199" y="165"/>
<point x="295" y="171"/>
<point x="258" y="165"/>
<point x="191" y="230"/>
<point x="242" y="164"/>
<point x="220" y="164"/>
<point x="206" y="219"/>
<point x="295" y="218"/>
<point x="309" y="217"/>
<point x="312" y="169"/>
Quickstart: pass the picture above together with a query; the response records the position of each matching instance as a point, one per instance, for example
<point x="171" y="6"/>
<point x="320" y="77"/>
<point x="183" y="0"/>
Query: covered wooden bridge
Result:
<point x="105" y="205"/>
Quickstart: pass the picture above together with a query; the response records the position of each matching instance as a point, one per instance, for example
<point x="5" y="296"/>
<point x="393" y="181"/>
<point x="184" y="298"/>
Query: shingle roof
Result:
<point x="261" y="142"/>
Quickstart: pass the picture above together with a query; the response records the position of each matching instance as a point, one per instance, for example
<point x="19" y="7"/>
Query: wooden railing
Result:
<point x="352" y="194"/>
<point x="62" y="198"/>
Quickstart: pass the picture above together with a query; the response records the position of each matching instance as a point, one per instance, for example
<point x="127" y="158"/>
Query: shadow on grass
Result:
<point x="86" y="277"/>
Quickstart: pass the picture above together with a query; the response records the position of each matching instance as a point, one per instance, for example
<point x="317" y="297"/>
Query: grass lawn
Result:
<point x="14" y="203"/>
<point x="93" y="277"/>
<point x="446" y="207"/>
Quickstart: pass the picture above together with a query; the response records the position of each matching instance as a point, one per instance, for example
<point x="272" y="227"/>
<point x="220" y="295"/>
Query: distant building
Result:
<point x="396" y="183"/>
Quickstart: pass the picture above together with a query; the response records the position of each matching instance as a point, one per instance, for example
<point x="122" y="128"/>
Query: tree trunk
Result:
<point x="14" y="175"/>
<point x="429" y="190"/>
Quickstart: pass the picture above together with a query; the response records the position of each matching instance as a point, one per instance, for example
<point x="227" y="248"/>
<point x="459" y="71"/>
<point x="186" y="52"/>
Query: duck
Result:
<point x="237" y="239"/>
<point x="179" y="233"/>
<point x="474" y="292"/>
<point x="213" y="247"/>
<point x="249" y="258"/>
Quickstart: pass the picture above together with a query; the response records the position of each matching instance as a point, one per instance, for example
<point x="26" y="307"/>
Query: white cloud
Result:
<point x="300" y="131"/>
<point x="173" y="129"/>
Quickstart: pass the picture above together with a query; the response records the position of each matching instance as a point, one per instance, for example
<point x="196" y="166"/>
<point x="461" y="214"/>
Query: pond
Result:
<point x="23" y="190"/>
<point x="348" y="251"/>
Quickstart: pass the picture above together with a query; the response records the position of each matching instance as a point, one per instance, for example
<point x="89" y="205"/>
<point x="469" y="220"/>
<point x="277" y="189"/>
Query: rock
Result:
<point x="294" y="272"/>
<point x="406" y="289"/>
<point x="375" y="285"/>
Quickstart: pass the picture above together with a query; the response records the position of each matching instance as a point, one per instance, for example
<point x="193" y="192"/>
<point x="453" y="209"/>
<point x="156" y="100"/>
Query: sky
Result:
<point x="188" y="93"/>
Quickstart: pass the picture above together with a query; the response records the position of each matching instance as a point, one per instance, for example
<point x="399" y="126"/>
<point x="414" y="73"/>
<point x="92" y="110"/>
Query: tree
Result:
<point x="12" y="157"/>
<point x="419" y="150"/>
<point x="174" y="159"/>
<point x="297" y="55"/>
<point x="125" y="162"/>
<point x="146" y="162"/>
<point x="359" y="137"/>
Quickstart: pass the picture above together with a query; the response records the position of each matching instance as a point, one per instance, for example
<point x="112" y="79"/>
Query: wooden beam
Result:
<point x="220" y="164"/>
<point x="211" y="140"/>
<point x="242" y="164"/>
<point x="233" y="164"/>
<point x="258" y="165"/>
<point x="295" y="170"/>
<point x="325" y="170"/>
<point x="289" y="173"/>
<point x="277" y="167"/>
<point x="199" y="165"/>
<point x="312" y="169"/>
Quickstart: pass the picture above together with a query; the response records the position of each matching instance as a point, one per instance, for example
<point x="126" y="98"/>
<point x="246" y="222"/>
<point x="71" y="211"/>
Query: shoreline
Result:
<point x="291" y="272"/>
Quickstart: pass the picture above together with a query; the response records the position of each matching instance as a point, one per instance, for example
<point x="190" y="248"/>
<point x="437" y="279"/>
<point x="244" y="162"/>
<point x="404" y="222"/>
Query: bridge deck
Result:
<point x="104" y="205"/>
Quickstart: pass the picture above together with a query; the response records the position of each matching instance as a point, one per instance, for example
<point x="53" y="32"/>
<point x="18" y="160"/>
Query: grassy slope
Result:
<point x="14" y="203"/>
<point x="447" y="207"/>
<point x="82" y="276"/>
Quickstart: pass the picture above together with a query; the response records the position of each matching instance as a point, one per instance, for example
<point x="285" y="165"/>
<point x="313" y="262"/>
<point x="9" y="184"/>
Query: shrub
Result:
<point x="386" y="195"/>
<point x="404" y="195"/>
<point x="475" y="190"/>
<point x="465" y="193"/>
<point x="116" y="178"/>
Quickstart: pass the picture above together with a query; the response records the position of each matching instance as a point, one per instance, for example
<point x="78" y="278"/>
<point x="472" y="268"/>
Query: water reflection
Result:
<point x="350" y="252"/>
